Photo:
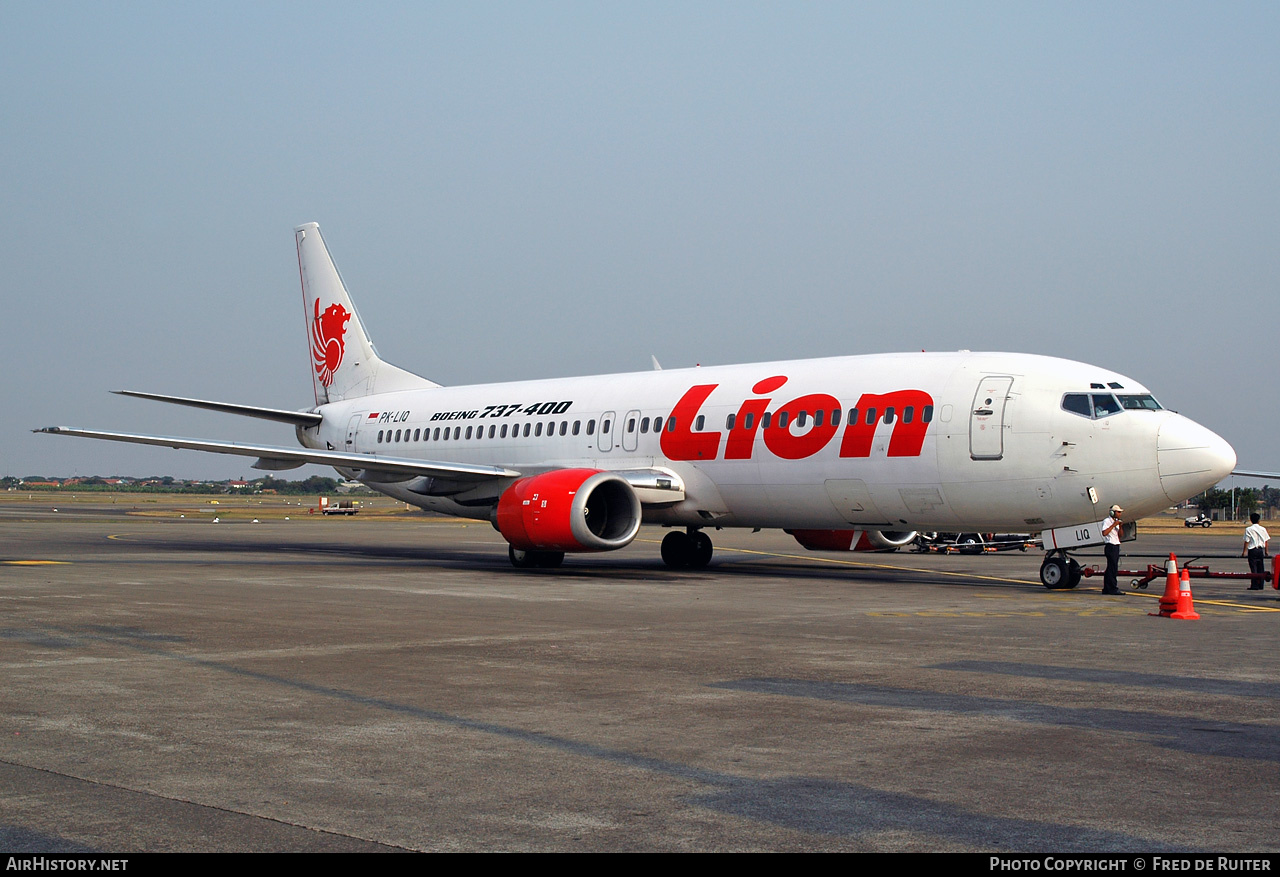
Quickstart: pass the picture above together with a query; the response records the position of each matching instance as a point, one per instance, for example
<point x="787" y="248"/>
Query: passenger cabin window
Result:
<point x="697" y="424"/>
<point x="631" y="425"/>
<point x="782" y="419"/>
<point x="835" y="417"/>
<point x="577" y="426"/>
<point x="564" y="427"/>
<point x="908" y="414"/>
<point x="591" y="427"/>
<point x="728" y="422"/>
<point x="766" y="419"/>
<point x="871" y="416"/>
<point x="644" y="424"/>
<point x="927" y="415"/>
<point x="888" y="414"/>
<point x="604" y="427"/>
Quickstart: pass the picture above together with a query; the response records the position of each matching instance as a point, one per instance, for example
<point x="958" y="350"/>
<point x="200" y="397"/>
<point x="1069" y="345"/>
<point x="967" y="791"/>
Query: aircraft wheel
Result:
<point x="677" y="549"/>
<point x="548" y="559"/>
<point x="702" y="550"/>
<point x="1054" y="574"/>
<point x="520" y="559"/>
<point x="1074" y="573"/>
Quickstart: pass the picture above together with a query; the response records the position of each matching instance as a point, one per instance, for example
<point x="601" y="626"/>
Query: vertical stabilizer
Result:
<point x="344" y="363"/>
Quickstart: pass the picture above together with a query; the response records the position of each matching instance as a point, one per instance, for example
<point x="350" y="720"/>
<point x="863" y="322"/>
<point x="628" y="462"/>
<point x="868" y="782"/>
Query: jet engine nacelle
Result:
<point x="569" y="510"/>
<point x="853" y="540"/>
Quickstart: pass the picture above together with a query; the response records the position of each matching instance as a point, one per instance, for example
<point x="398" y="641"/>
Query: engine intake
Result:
<point x="569" y="510"/>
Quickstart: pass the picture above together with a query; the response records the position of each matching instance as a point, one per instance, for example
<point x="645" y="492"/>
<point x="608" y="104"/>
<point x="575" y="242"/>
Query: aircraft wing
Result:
<point x="290" y="458"/>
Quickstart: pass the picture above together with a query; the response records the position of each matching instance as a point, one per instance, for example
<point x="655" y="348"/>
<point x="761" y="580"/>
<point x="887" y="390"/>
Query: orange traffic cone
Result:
<point x="1169" y="602"/>
<point x="1186" y="610"/>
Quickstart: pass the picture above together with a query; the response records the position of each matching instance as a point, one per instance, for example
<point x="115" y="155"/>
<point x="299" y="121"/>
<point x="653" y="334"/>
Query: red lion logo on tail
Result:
<point x="327" y="344"/>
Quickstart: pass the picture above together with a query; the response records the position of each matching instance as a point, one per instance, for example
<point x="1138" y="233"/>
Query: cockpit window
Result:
<point x="1145" y="402"/>
<point x="1077" y="403"/>
<point x="1104" y="404"/>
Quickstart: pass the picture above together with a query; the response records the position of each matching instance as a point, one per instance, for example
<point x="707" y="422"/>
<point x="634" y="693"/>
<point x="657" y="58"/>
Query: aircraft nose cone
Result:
<point x="1191" y="458"/>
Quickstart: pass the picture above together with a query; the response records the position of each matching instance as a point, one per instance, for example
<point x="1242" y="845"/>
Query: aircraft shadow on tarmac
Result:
<point x="582" y="566"/>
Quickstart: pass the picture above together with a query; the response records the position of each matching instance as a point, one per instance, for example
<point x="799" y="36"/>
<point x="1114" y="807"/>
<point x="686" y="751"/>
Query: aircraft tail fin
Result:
<point x="344" y="363"/>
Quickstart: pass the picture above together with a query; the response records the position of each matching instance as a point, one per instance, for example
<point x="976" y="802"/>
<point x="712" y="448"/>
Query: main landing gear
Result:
<point x="1059" y="572"/>
<point x="686" y="550"/>
<point x="534" y="559"/>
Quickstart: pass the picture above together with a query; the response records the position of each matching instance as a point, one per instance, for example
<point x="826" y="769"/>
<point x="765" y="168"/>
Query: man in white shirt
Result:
<point x="1256" y="538"/>
<point x="1111" y="548"/>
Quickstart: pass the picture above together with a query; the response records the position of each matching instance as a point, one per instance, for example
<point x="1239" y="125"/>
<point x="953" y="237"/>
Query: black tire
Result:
<point x="702" y="550"/>
<point x="677" y="549"/>
<point x="969" y="544"/>
<point x="521" y="559"/>
<point x="1055" y="574"/>
<point x="548" y="559"/>
<point x="1074" y="574"/>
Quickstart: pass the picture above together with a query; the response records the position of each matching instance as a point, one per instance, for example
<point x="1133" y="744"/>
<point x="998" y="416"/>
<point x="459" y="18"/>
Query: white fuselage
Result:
<point x="975" y="441"/>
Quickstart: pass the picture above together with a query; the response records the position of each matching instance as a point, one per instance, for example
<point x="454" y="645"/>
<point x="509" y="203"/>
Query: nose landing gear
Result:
<point x="1059" y="572"/>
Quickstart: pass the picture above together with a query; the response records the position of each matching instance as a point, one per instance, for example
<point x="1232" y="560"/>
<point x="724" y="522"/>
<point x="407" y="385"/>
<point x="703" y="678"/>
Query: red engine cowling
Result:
<point x="853" y="540"/>
<point x="569" y="510"/>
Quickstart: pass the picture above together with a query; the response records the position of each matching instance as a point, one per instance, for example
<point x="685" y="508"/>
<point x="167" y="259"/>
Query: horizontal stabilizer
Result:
<point x="1275" y="476"/>
<point x="297" y="418"/>
<point x="383" y="466"/>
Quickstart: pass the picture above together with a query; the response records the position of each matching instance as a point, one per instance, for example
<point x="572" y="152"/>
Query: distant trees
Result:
<point x="313" y="486"/>
<point x="1246" y="500"/>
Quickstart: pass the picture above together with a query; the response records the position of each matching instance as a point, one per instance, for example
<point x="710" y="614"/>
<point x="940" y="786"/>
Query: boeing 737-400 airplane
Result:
<point x="849" y="453"/>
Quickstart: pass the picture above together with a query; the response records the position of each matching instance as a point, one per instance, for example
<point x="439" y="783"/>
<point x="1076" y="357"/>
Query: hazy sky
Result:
<point x="544" y="189"/>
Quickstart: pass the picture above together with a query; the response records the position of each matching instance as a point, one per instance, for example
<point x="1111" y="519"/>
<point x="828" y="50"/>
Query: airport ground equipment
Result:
<point x="1142" y="578"/>
<point x="338" y="507"/>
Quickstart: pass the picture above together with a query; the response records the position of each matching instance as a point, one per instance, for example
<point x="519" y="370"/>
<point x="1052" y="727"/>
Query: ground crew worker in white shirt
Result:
<point x="1256" y="538"/>
<point x="1111" y="548"/>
